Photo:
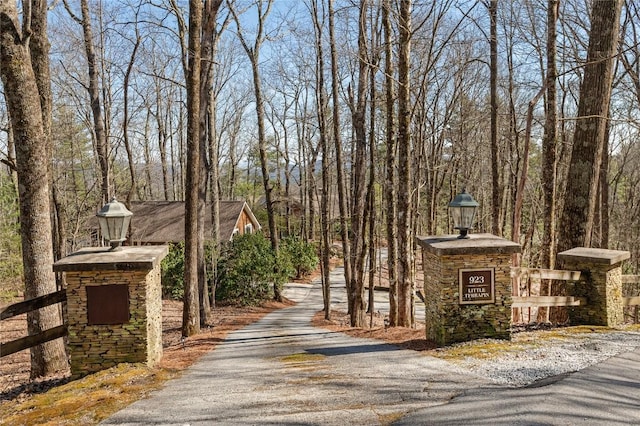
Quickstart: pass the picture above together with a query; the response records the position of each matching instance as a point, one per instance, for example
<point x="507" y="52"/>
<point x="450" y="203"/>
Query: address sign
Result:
<point x="477" y="286"/>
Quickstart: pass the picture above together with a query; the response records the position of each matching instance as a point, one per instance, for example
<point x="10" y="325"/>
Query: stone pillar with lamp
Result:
<point x="467" y="280"/>
<point x="114" y="299"/>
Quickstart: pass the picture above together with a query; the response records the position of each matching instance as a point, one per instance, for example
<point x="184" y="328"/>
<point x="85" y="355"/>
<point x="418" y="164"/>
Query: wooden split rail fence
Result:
<point x="518" y="274"/>
<point x="532" y="301"/>
<point x="27" y="342"/>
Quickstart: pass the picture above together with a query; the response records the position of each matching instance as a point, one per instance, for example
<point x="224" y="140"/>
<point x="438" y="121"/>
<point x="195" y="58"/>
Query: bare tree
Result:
<point x="93" y="89"/>
<point x="207" y="143"/>
<point x="325" y="246"/>
<point x="549" y="143"/>
<point x="191" y="310"/>
<point x="495" y="173"/>
<point x="405" y="252"/>
<point x="390" y="163"/>
<point x="253" y="53"/>
<point x="25" y="106"/>
<point x="358" y="104"/>
<point x="577" y="218"/>
<point x="126" y="118"/>
<point x="337" y="140"/>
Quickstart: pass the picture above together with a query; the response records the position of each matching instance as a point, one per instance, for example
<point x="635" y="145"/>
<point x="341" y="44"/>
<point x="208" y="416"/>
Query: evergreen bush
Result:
<point x="302" y="255"/>
<point x="173" y="273"/>
<point x="248" y="270"/>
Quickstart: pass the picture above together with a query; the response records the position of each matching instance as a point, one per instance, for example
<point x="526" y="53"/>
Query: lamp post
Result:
<point x="463" y="211"/>
<point x="114" y="218"/>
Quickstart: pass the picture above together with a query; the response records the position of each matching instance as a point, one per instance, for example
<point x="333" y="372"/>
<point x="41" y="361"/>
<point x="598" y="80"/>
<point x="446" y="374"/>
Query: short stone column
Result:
<point x="467" y="287"/>
<point x="114" y="306"/>
<point x="600" y="284"/>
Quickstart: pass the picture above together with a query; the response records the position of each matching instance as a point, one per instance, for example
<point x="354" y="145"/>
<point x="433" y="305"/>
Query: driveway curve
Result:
<point x="281" y="370"/>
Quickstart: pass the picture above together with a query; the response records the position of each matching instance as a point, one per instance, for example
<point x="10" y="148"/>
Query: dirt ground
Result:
<point x="408" y="338"/>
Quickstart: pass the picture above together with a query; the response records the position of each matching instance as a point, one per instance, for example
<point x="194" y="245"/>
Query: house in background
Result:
<point x="161" y="222"/>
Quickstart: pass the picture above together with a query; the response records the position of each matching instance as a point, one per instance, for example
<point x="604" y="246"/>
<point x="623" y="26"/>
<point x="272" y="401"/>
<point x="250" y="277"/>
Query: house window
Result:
<point x="248" y="228"/>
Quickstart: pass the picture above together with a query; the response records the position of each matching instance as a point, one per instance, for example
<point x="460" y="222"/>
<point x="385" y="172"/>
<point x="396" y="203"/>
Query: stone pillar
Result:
<point x="467" y="287"/>
<point x="114" y="306"/>
<point x="600" y="284"/>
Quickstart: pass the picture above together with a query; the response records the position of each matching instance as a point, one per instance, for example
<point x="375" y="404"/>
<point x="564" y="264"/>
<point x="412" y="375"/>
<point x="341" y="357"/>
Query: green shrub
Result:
<point x="302" y="255"/>
<point x="173" y="273"/>
<point x="248" y="270"/>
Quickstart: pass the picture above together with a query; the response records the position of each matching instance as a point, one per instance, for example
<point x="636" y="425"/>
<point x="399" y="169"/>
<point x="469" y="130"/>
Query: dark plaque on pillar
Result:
<point x="107" y="304"/>
<point x="477" y="286"/>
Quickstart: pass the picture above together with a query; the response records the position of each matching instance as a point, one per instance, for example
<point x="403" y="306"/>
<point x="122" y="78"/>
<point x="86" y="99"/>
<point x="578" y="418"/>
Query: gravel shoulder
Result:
<point x="534" y="356"/>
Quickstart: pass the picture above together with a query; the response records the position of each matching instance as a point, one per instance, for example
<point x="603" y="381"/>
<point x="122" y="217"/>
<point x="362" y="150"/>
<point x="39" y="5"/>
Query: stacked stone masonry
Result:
<point x="447" y="320"/>
<point x="94" y="347"/>
<point x="600" y="285"/>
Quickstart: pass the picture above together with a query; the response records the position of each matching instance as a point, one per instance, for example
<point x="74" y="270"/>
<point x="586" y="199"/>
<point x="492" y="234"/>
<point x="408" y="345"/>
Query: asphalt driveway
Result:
<point x="281" y="370"/>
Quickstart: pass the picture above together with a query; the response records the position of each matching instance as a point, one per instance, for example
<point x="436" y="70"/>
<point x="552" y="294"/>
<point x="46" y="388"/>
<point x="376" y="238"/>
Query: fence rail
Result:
<point x="27" y="342"/>
<point x="532" y="301"/>
<point x="33" y="304"/>
<point x="631" y="301"/>
<point x="545" y="274"/>
<point x="546" y="301"/>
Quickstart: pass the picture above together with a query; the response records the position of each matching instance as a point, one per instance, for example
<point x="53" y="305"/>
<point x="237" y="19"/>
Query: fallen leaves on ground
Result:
<point x="404" y="337"/>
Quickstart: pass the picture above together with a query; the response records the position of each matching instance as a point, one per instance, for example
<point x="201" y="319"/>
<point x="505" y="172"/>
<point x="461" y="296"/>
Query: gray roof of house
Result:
<point x="159" y="222"/>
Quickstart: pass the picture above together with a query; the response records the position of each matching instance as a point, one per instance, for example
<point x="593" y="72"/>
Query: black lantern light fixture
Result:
<point x="114" y="218"/>
<point x="463" y="212"/>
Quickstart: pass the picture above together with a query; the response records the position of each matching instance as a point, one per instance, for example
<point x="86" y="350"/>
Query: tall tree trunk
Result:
<point x="371" y="193"/>
<point x="39" y="49"/>
<point x="358" y="184"/>
<point x="549" y="146"/>
<point x="209" y="36"/>
<point x="33" y="152"/>
<point x="253" y="52"/>
<point x="325" y="246"/>
<point x="146" y="192"/>
<point x="405" y="282"/>
<point x="391" y="176"/>
<point x="577" y="217"/>
<point x="549" y="143"/>
<point x="215" y="195"/>
<point x="191" y="309"/>
<point x="162" y="145"/>
<point x="604" y="192"/>
<point x="493" y="83"/>
<point x="101" y="141"/>
<point x="125" y="121"/>
<point x="337" y="139"/>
